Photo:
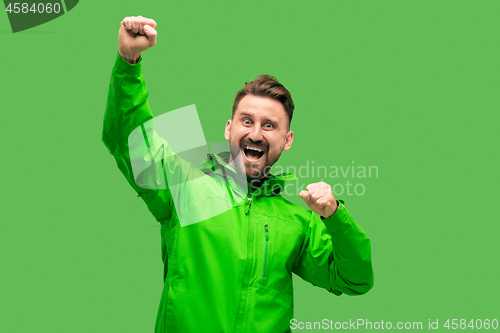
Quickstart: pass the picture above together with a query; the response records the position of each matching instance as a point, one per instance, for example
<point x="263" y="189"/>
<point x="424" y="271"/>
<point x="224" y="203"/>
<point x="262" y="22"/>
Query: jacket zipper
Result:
<point x="248" y="206"/>
<point x="266" y="245"/>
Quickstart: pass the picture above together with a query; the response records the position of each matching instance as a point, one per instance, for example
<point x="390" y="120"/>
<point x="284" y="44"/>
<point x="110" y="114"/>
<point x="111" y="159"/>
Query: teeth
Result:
<point x="254" y="148"/>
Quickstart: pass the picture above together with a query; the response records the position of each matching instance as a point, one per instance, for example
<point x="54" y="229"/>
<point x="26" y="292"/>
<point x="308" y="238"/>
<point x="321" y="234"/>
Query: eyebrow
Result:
<point x="246" y="114"/>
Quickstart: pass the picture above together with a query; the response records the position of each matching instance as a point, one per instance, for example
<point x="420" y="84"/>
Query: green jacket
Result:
<point x="231" y="272"/>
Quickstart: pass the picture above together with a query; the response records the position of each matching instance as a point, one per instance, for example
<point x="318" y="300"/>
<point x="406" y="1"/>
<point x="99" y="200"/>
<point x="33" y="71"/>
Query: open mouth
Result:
<point x="253" y="153"/>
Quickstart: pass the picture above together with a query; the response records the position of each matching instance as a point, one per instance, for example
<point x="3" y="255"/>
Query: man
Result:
<point x="230" y="271"/>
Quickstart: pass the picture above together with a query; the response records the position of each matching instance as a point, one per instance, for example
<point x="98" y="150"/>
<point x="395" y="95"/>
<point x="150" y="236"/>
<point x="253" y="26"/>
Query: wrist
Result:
<point x="131" y="58"/>
<point x="334" y="211"/>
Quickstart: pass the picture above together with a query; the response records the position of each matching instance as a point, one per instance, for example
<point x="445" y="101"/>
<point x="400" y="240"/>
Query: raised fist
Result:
<point x="319" y="197"/>
<point x="136" y="34"/>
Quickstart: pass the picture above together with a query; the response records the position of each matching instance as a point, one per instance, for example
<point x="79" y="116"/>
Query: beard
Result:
<point x="253" y="164"/>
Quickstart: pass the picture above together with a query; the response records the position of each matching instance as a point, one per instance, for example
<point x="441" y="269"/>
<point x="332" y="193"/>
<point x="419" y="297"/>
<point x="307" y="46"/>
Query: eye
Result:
<point x="246" y="121"/>
<point x="268" y="125"/>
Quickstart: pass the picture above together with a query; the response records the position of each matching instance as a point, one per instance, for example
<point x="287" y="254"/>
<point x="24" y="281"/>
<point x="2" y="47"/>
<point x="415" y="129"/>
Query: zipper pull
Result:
<point x="248" y="207"/>
<point x="267" y="232"/>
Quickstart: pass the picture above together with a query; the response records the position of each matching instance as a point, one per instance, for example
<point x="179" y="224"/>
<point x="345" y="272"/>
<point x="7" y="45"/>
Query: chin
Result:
<point x="257" y="173"/>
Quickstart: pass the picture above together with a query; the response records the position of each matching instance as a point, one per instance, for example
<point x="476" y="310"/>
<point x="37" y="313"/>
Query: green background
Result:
<point x="411" y="87"/>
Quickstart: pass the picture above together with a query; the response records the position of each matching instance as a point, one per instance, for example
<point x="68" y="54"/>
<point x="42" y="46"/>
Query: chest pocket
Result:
<point x="277" y="243"/>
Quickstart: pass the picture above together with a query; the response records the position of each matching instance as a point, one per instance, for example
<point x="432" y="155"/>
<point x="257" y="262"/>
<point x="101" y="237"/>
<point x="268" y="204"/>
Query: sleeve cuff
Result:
<point x="340" y="219"/>
<point x="121" y="65"/>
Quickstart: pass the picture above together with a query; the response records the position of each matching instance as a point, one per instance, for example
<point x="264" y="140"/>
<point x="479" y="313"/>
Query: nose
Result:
<point x="255" y="134"/>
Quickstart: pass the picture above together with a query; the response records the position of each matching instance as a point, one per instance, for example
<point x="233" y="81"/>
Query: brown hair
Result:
<point x="266" y="86"/>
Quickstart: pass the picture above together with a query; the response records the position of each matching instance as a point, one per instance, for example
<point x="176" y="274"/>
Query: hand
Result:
<point x="136" y="34"/>
<point x="319" y="197"/>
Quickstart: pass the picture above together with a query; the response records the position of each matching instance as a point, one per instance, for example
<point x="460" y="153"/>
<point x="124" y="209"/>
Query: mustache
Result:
<point x="243" y="144"/>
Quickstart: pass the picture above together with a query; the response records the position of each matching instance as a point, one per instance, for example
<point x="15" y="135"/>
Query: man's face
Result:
<point x="259" y="131"/>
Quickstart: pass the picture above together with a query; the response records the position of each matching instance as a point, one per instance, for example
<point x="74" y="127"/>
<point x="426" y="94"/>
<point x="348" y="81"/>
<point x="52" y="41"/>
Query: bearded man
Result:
<point x="229" y="246"/>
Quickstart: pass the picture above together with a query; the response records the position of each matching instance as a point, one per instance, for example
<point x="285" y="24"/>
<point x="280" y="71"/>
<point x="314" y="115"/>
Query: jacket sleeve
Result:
<point x="127" y="111"/>
<point x="336" y="255"/>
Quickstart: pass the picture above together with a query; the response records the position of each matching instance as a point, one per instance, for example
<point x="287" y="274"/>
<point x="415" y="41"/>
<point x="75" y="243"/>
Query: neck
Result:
<point x="256" y="183"/>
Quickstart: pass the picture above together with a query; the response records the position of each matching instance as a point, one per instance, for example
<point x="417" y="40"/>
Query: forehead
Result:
<point x="261" y="107"/>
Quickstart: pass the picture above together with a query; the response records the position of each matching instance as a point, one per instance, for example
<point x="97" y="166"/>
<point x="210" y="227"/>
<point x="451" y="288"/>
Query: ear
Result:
<point x="288" y="140"/>
<point x="228" y="129"/>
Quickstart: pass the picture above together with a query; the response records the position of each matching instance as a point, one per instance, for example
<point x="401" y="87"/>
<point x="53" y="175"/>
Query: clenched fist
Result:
<point x="319" y="197"/>
<point x="136" y="34"/>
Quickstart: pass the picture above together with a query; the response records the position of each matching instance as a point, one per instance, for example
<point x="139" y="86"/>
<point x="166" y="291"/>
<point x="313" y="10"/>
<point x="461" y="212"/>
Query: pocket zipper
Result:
<point x="266" y="244"/>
